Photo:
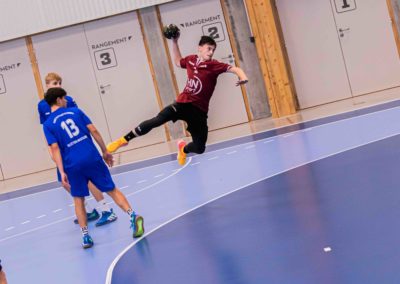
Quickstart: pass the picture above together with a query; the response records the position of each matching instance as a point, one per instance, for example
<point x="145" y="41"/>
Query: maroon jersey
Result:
<point x="201" y="81"/>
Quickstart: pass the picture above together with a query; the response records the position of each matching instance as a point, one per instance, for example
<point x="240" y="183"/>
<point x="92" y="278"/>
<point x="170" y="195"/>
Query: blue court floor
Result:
<point x="315" y="202"/>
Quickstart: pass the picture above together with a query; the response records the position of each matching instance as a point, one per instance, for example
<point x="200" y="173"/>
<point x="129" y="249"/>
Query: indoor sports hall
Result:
<point x="298" y="182"/>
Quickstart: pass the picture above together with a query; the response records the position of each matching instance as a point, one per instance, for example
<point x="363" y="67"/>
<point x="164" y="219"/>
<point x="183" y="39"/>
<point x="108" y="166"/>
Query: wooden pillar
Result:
<point x="35" y="67"/>
<point x="266" y="28"/>
<point x="161" y="66"/>
<point x="394" y="12"/>
<point x="255" y="93"/>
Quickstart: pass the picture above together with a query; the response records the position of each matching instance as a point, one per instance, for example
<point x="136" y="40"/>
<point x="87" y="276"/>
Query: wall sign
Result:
<point x="2" y="85"/>
<point x="105" y="58"/>
<point x="345" y="5"/>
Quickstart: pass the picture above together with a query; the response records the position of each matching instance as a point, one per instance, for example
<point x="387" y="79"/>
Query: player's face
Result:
<point x="54" y="84"/>
<point x="206" y="51"/>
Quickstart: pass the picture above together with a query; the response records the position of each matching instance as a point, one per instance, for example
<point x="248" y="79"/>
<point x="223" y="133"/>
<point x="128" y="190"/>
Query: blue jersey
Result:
<point x="45" y="110"/>
<point x="68" y="128"/>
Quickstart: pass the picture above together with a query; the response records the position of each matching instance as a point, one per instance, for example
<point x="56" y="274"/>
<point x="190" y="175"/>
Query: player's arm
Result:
<point x="56" y="156"/>
<point x="176" y="52"/>
<point x="240" y="73"/>
<point x="108" y="158"/>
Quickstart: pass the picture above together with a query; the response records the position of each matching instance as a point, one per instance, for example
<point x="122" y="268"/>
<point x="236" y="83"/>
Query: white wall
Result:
<point x="22" y="145"/>
<point x="19" y="18"/>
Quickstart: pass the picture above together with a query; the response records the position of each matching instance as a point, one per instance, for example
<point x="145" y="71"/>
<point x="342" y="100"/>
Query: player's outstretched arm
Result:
<point x="176" y="51"/>
<point x="240" y="73"/>
<point x="108" y="158"/>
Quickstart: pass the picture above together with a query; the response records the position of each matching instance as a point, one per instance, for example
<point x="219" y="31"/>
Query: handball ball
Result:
<point x="171" y="31"/>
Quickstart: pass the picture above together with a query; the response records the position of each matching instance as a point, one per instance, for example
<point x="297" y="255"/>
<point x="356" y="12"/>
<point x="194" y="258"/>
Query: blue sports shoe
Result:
<point x="92" y="216"/>
<point x="137" y="225"/>
<point x="106" y="217"/>
<point x="87" y="242"/>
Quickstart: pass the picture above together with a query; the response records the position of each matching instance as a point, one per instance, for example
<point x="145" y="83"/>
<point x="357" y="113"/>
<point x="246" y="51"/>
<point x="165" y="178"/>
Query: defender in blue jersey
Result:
<point x="53" y="80"/>
<point x="69" y="134"/>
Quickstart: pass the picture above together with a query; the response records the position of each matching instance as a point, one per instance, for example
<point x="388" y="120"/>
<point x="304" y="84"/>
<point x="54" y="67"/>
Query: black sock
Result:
<point x="129" y="136"/>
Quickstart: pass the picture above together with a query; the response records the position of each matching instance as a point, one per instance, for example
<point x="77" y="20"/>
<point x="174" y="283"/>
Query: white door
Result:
<point x="313" y="47"/>
<point x="23" y="148"/>
<point x="123" y="75"/>
<point x="104" y="67"/>
<point x="368" y="44"/>
<point x="196" y="18"/>
<point x="65" y="52"/>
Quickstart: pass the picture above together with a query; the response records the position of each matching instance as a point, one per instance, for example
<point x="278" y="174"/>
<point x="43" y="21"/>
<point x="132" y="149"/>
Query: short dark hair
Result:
<point x="207" y="40"/>
<point x="53" y="94"/>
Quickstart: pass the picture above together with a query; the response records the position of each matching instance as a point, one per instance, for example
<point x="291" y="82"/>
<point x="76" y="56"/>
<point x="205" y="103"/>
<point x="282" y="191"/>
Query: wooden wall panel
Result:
<point x="273" y="59"/>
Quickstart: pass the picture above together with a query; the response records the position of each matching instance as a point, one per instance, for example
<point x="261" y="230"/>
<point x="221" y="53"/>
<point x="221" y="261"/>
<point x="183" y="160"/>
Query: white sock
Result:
<point x="84" y="231"/>
<point x="89" y="209"/>
<point x="103" y="205"/>
<point x="130" y="212"/>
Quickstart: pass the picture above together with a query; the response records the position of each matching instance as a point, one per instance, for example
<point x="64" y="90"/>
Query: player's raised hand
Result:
<point x="241" y="82"/>
<point x="171" y="31"/>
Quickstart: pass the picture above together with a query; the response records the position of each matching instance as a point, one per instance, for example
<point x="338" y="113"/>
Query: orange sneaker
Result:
<point x="115" y="145"/>
<point x="181" y="155"/>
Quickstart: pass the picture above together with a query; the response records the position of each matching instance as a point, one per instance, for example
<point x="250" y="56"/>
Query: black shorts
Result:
<point x="195" y="118"/>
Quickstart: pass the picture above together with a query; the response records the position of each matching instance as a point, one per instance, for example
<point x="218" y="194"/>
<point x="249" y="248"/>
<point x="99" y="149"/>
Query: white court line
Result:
<point x="9" y="229"/>
<point x="239" y="137"/>
<point x="259" y="141"/>
<point x="269" y="141"/>
<point x="195" y="163"/>
<point x="307" y="129"/>
<point x="157" y="176"/>
<point x="123" y="187"/>
<point x="112" y="265"/>
<point x="288" y="135"/>
<point x="213" y="158"/>
<point x="231" y="152"/>
<point x="141" y="181"/>
<point x="26" y="222"/>
<point x="249" y="147"/>
<point x="71" y="217"/>
<point x="36" y="229"/>
<point x="57" y="210"/>
<point x="41" y="216"/>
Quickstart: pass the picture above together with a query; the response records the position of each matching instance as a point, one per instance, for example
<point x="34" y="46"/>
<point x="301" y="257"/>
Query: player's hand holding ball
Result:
<point x="171" y="31"/>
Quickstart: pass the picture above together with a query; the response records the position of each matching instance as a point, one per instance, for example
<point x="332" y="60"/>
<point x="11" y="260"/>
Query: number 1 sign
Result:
<point x="345" y="5"/>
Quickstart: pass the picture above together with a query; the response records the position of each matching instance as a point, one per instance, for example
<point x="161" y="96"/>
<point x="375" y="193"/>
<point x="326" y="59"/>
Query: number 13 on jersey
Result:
<point x="70" y="127"/>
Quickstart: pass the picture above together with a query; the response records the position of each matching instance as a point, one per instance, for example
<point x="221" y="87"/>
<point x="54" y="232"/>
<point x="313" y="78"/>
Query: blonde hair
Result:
<point x="52" y="77"/>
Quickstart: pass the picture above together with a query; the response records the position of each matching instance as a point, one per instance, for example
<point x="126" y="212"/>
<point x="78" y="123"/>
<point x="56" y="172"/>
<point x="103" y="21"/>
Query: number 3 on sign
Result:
<point x="105" y="58"/>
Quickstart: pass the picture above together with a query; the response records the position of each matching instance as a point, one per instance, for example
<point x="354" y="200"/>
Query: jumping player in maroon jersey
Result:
<point x="191" y="105"/>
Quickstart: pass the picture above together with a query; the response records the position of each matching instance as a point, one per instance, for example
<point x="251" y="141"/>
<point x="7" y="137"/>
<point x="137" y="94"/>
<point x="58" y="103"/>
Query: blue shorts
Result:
<point x="97" y="172"/>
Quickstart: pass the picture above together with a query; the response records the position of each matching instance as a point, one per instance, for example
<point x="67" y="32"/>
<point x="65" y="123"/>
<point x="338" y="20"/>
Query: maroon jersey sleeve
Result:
<point x="183" y="62"/>
<point x="220" y="67"/>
